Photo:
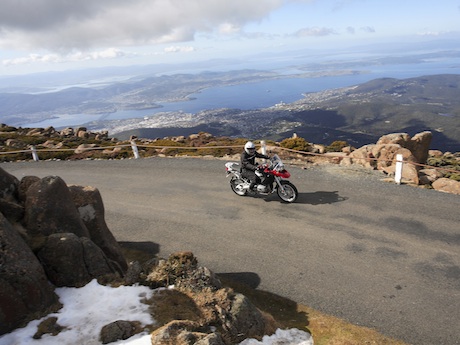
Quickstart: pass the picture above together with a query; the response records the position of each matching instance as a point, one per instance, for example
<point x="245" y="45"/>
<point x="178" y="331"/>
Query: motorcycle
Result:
<point x="271" y="179"/>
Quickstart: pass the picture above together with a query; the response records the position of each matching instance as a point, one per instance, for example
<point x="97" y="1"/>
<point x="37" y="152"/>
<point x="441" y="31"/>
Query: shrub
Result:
<point x="336" y="146"/>
<point x="299" y="144"/>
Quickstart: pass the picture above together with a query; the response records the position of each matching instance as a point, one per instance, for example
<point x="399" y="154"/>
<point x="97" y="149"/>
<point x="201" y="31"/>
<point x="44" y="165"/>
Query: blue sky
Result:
<point x="42" y="35"/>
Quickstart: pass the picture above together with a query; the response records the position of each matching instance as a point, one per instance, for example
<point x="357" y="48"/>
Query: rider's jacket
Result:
<point x="248" y="162"/>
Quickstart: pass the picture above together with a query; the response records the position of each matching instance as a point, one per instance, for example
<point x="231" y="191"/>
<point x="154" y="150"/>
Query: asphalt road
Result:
<point x="370" y="252"/>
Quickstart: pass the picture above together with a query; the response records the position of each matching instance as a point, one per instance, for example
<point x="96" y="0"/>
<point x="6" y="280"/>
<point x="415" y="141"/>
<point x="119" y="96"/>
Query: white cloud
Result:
<point x="66" y="25"/>
<point x="110" y="53"/>
<point x="178" y="49"/>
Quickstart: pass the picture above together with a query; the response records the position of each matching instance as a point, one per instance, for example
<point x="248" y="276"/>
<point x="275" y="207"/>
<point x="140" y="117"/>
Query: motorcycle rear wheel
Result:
<point x="290" y="192"/>
<point x="237" y="186"/>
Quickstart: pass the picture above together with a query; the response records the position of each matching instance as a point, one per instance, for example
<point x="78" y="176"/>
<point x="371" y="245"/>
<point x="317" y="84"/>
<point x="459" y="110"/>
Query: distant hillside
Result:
<point x="359" y="115"/>
<point x="384" y="106"/>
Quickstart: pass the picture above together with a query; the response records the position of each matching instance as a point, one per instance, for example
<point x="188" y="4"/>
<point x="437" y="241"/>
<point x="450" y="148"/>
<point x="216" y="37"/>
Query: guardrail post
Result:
<point x="135" y="149"/>
<point x="398" y="168"/>
<point x="34" y="153"/>
<point x="264" y="147"/>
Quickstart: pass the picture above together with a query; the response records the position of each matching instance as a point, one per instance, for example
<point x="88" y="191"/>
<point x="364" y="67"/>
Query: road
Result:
<point x="373" y="253"/>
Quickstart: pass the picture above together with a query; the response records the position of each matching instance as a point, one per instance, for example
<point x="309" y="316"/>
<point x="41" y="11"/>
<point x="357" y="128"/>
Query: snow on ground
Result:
<point x="86" y="310"/>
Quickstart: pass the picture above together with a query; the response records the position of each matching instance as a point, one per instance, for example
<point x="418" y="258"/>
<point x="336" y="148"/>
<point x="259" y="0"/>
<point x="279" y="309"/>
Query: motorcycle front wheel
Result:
<point x="237" y="186"/>
<point x="290" y="192"/>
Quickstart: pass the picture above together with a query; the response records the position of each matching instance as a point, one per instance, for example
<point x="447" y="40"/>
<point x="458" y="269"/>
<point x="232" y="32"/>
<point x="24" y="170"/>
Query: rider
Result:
<point x="248" y="163"/>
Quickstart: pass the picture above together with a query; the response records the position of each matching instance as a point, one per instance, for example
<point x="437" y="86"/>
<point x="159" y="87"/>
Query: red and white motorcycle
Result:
<point x="271" y="179"/>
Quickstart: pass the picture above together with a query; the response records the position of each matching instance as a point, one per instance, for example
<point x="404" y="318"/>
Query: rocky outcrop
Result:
<point x="45" y="242"/>
<point x="25" y="292"/>
<point x="215" y="314"/>
<point x="414" y="150"/>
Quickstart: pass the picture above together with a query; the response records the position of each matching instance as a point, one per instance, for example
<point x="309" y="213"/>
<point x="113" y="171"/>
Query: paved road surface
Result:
<point x="371" y="252"/>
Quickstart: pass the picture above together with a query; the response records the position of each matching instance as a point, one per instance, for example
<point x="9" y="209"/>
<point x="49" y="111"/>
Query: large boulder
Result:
<point x="73" y="261"/>
<point x="419" y="144"/>
<point x="90" y="206"/>
<point x="447" y="185"/>
<point x="25" y="293"/>
<point x="49" y="209"/>
<point x="383" y="157"/>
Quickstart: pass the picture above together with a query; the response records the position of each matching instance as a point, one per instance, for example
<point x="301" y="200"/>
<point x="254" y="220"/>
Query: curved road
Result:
<point x="373" y="253"/>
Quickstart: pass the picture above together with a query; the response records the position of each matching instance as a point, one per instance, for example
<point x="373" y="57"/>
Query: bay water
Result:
<point x="263" y="94"/>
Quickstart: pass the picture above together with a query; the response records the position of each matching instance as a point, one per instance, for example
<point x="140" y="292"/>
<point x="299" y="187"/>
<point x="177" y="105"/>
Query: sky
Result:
<point x="50" y="35"/>
<point x="86" y="310"/>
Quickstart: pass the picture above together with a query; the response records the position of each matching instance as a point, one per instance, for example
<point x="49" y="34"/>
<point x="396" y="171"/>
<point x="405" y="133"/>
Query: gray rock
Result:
<point x="72" y="261"/>
<point x="119" y="330"/>
<point x="25" y="292"/>
<point x="90" y="207"/>
<point x="8" y="184"/>
<point x="49" y="209"/>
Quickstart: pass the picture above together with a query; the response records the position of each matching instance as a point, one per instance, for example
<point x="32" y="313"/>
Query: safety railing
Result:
<point x="398" y="161"/>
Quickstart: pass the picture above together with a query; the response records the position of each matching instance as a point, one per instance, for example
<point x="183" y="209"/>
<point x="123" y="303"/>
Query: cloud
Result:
<point x="178" y="49"/>
<point x="314" y="32"/>
<point x="368" y="29"/>
<point x="351" y="30"/>
<point x="69" y="25"/>
<point x="110" y="53"/>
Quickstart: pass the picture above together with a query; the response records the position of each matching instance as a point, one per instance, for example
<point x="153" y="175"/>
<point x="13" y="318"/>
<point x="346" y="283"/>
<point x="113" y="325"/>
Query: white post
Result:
<point x="135" y="149"/>
<point x="264" y="147"/>
<point x="398" y="168"/>
<point x="34" y="154"/>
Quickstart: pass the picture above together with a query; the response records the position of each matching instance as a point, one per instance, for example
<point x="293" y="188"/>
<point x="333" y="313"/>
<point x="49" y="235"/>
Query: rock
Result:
<point x="90" y="206"/>
<point x="13" y="211"/>
<point x="243" y="320"/>
<point x="67" y="132"/>
<point x="8" y="184"/>
<point x="84" y="147"/>
<point x="72" y="261"/>
<point x="48" y="326"/>
<point x="420" y="145"/>
<point x="435" y="153"/>
<point x="177" y="333"/>
<point x="362" y="156"/>
<point x="24" y="185"/>
<point x="49" y="209"/>
<point x="16" y="144"/>
<point x="133" y="273"/>
<point x="429" y="175"/>
<point x="447" y="185"/>
<point x="119" y="330"/>
<point x="383" y="157"/>
<point x="211" y="339"/>
<point x="400" y="139"/>
<point x="25" y="293"/>
<point x="182" y="269"/>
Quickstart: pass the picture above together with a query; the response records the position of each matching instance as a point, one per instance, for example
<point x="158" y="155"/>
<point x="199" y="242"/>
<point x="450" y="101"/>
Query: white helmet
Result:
<point x="249" y="147"/>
